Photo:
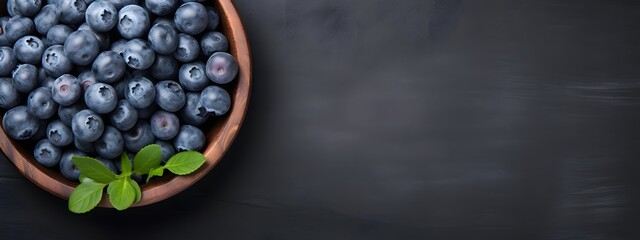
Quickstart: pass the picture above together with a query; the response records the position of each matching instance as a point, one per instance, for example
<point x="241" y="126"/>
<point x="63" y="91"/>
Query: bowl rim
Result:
<point x="156" y="191"/>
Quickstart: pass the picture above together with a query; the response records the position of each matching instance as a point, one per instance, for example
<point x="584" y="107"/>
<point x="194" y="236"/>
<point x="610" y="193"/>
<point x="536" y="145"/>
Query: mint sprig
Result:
<point x="122" y="190"/>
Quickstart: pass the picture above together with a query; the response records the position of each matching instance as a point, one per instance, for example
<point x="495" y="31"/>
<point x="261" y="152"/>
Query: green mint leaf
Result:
<point x="94" y="169"/>
<point x="121" y="193"/>
<point x="136" y="187"/>
<point x="184" y="163"/>
<point x="86" y="196"/>
<point x="155" y="172"/>
<point x="125" y="164"/>
<point x="149" y="157"/>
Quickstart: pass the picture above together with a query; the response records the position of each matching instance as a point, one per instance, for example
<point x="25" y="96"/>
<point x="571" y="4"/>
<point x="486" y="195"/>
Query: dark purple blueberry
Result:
<point x="29" y="49"/>
<point x="138" y="54"/>
<point x="215" y="100"/>
<point x="192" y="76"/>
<point x="19" y="124"/>
<point x="109" y="67"/>
<point x="9" y="96"/>
<point x="46" y="153"/>
<point x="191" y="18"/>
<point x="82" y="47"/>
<point x="140" y="92"/>
<point x="67" y="168"/>
<point x="133" y="22"/>
<point x="125" y="116"/>
<point x="66" y="90"/>
<point x="189" y="138"/>
<point x="83" y="146"/>
<point x="55" y="61"/>
<point x="28" y="8"/>
<point x="46" y="19"/>
<point x="25" y="78"/>
<point x="118" y="46"/>
<point x="72" y="11"/>
<point x="161" y="7"/>
<point x="163" y="38"/>
<point x="164" y="125"/>
<point x="214" y="18"/>
<point x="86" y="79"/>
<point x="212" y="42"/>
<point x="19" y="27"/>
<point x="104" y="39"/>
<point x="58" y="34"/>
<point x="101" y="16"/>
<point x="165" y="67"/>
<point x="41" y="104"/>
<point x="110" y="144"/>
<point x="87" y="126"/>
<point x="101" y="98"/>
<point x="167" y="150"/>
<point x="138" y="137"/>
<point x="188" y="48"/>
<point x="170" y="96"/>
<point x="8" y="61"/>
<point x="222" y="68"/>
<point x="59" y="134"/>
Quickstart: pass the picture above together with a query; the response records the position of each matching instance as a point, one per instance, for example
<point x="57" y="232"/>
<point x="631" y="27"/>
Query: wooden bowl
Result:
<point x="220" y="133"/>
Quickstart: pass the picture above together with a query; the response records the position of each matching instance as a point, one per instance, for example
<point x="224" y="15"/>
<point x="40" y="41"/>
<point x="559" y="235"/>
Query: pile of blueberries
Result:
<point x="102" y="77"/>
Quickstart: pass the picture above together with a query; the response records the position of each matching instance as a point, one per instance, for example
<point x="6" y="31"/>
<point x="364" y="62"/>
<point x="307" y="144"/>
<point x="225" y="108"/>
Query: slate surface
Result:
<point x="415" y="119"/>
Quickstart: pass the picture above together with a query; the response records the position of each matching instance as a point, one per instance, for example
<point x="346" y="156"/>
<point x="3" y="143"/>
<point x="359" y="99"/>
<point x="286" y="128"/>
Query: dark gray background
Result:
<point x="421" y="119"/>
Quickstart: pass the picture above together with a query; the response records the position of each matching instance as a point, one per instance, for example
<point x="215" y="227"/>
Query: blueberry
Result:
<point x="84" y="146"/>
<point x="214" y="99"/>
<point x="167" y="150"/>
<point x="101" y="16"/>
<point x="110" y="144"/>
<point x="19" y="27"/>
<point x="66" y="113"/>
<point x="189" y="138"/>
<point x="87" y="126"/>
<point x="41" y="104"/>
<point x="133" y="22"/>
<point x="118" y="46"/>
<point x="28" y="8"/>
<point x="138" y="54"/>
<point x="4" y="38"/>
<point x="46" y="19"/>
<point x="145" y="113"/>
<point x="29" y="49"/>
<point x="9" y="96"/>
<point x="101" y="98"/>
<point x="104" y="39"/>
<point x="164" y="125"/>
<point x="192" y="76"/>
<point x="188" y="48"/>
<point x="67" y="168"/>
<point x="46" y="153"/>
<point x="86" y="79"/>
<point x="212" y="42"/>
<point x="190" y="113"/>
<point x="82" y="47"/>
<point x="119" y="4"/>
<point x="170" y="96"/>
<point x="66" y="90"/>
<point x="161" y="7"/>
<point x="125" y="116"/>
<point x="191" y="18"/>
<point x="108" y="67"/>
<point x="168" y="22"/>
<point x="140" y="92"/>
<point x="58" y="34"/>
<point x="222" y="68"/>
<point x="12" y="8"/>
<point x="138" y="137"/>
<point x="25" y="78"/>
<point x="19" y="124"/>
<point x="55" y="61"/>
<point x="214" y="18"/>
<point x="163" y="38"/>
<point x="165" y="67"/>
<point x="42" y="74"/>
<point x="72" y="11"/>
<point x="8" y="61"/>
<point x="59" y="134"/>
